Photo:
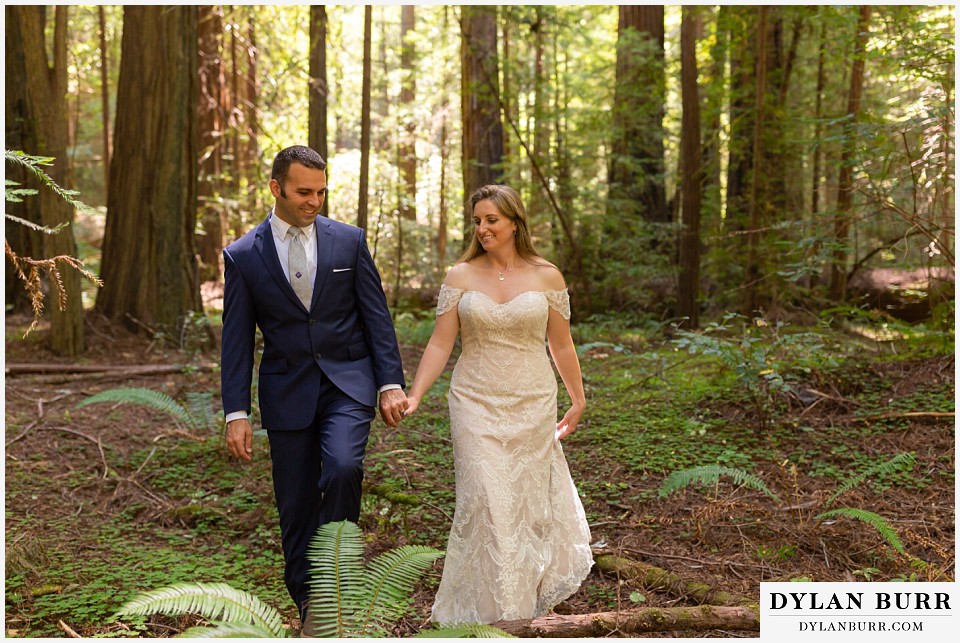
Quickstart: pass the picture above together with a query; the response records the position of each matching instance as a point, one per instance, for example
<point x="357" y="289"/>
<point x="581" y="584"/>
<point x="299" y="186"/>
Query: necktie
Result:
<point x="297" y="267"/>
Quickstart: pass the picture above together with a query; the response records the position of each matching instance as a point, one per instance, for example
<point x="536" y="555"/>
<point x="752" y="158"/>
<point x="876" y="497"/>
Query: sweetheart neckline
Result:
<point x="497" y="303"/>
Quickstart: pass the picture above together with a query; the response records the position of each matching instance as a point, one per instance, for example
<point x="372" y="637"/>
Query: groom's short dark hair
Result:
<point x="301" y="154"/>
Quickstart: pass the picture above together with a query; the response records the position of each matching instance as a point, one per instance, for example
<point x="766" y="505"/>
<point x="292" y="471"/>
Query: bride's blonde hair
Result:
<point x="510" y="205"/>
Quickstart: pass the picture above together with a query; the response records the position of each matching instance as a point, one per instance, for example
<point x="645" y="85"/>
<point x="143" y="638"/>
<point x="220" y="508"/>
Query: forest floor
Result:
<point x="107" y="500"/>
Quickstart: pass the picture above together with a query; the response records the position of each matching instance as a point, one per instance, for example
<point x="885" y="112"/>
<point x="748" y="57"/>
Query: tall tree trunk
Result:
<point x="689" y="287"/>
<point x="318" y="90"/>
<point x="442" y="223"/>
<point x="838" y="268"/>
<point x="365" y="118"/>
<point x="46" y="93"/>
<point x="480" y="95"/>
<point x="20" y="134"/>
<point x="814" y="278"/>
<point x="104" y="96"/>
<point x="538" y="208"/>
<point x="753" y="266"/>
<point x="251" y="155"/>
<point x="636" y="169"/>
<point x="408" y="93"/>
<point x="715" y="90"/>
<point x="211" y="125"/>
<point x="149" y="261"/>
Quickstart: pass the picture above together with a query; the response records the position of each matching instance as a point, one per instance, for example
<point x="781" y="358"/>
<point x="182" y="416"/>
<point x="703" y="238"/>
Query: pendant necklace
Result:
<point x="500" y="272"/>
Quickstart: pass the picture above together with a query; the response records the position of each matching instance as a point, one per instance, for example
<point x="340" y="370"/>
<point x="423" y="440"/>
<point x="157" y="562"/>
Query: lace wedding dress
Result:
<point x="519" y="543"/>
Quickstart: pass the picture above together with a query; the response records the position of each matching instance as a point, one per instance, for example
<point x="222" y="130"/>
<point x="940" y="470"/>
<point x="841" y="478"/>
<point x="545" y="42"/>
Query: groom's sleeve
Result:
<point x="237" y="343"/>
<point x="378" y="331"/>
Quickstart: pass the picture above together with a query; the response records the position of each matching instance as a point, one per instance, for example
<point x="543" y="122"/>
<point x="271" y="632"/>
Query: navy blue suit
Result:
<point x="318" y="378"/>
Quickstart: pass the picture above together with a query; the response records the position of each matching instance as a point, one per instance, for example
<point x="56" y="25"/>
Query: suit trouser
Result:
<point x="317" y="477"/>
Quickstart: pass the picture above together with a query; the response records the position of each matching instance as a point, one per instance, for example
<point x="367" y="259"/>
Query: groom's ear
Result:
<point x="275" y="188"/>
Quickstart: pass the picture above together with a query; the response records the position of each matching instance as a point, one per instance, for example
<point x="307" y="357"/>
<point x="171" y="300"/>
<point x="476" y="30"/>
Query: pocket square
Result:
<point x="342" y="269"/>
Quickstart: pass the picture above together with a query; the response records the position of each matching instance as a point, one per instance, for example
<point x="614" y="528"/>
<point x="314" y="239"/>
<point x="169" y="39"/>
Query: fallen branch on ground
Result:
<point x="644" y="619"/>
<point x="112" y="369"/>
<point x="911" y="414"/>
<point x="654" y="578"/>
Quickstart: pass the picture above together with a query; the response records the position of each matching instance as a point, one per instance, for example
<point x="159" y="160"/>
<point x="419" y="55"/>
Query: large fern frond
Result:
<point x="465" y="631"/>
<point x="230" y="631"/>
<point x="901" y="461"/>
<point x="336" y="580"/>
<point x="212" y="601"/>
<point x="710" y="474"/>
<point x="874" y="520"/>
<point x="391" y="579"/>
<point x="145" y="397"/>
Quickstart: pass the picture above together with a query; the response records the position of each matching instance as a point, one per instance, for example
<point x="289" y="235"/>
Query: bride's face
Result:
<point x="493" y="229"/>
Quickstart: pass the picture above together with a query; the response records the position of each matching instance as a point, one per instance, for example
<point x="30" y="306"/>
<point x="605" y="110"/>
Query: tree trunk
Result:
<point x="149" y="261"/>
<point x="20" y="132"/>
<point x="408" y="93"/>
<point x="480" y="95"/>
<point x="104" y="96"/>
<point x="444" y="155"/>
<point x="752" y="272"/>
<point x="46" y="92"/>
<point x="713" y="101"/>
<point x="251" y="156"/>
<point x="365" y="118"/>
<point x="689" y="287"/>
<point x="645" y="619"/>
<point x="319" y="93"/>
<point x="838" y="268"/>
<point x="636" y="169"/>
<point x="537" y="209"/>
<point x="211" y="124"/>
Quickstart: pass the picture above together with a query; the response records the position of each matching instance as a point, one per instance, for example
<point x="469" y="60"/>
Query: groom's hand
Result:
<point x="393" y="403"/>
<point x="240" y="439"/>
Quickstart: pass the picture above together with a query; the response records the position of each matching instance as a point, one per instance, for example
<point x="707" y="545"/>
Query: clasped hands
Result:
<point x="393" y="406"/>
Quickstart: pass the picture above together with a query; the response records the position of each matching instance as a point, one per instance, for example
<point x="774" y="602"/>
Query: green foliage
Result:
<point x="710" y="474"/>
<point x="899" y="462"/>
<point x="195" y="416"/>
<point x="876" y="521"/>
<point x="34" y="165"/>
<point x="213" y="601"/>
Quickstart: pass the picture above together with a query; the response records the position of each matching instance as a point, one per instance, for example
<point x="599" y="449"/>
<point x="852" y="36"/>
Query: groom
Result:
<point x="329" y="347"/>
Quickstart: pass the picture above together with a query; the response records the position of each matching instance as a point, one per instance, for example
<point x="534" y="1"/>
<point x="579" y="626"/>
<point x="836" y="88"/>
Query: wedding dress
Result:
<point x="519" y="543"/>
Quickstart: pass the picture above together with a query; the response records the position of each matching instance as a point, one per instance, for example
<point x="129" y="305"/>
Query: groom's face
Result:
<point x="301" y="196"/>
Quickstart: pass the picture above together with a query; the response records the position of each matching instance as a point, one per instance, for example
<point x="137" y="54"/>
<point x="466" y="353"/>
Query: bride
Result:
<point x="519" y="543"/>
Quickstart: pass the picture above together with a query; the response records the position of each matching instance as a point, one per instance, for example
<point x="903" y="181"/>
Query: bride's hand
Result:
<point x="412" y="404"/>
<point x="568" y="424"/>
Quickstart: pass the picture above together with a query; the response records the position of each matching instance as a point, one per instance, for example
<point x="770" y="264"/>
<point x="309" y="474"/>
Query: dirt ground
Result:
<point x="713" y="541"/>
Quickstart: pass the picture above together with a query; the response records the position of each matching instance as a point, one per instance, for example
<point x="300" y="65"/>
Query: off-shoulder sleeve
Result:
<point x="559" y="300"/>
<point x="449" y="298"/>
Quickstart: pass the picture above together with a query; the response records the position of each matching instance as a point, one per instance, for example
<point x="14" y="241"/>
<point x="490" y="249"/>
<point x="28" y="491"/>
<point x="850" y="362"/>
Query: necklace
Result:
<point x="500" y="273"/>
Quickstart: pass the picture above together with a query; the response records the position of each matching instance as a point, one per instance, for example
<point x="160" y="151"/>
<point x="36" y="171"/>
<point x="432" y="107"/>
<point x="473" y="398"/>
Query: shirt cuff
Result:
<point x="389" y="387"/>
<point x="236" y="415"/>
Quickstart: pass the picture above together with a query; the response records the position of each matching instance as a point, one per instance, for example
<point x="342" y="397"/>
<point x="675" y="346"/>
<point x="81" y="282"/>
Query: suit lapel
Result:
<point x="325" y="243"/>
<point x="268" y="252"/>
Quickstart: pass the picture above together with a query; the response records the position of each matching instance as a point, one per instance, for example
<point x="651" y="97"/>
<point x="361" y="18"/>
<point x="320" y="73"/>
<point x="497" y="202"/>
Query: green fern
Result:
<point x="153" y="399"/>
<point x="874" y="520"/>
<point x="212" y="601"/>
<point x="710" y="474"/>
<point x="351" y="599"/>
<point x="230" y="631"/>
<point x="466" y="631"/>
<point x="894" y="465"/>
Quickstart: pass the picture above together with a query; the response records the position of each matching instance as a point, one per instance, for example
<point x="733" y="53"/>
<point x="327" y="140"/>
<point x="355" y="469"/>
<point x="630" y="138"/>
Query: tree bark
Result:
<point x="149" y="261"/>
<point x="838" y="268"/>
<point x="752" y="272"/>
<point x="319" y="92"/>
<point x="104" y="96"/>
<point x="408" y="92"/>
<point x="654" y="578"/>
<point x="646" y="619"/>
<point x="482" y="127"/>
<point x="365" y="118"/>
<point x="212" y="129"/>
<point x="689" y="287"/>
<point x="46" y="92"/>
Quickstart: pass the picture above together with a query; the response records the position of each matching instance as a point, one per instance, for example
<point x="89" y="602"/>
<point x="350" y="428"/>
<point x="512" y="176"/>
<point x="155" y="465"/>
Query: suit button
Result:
<point x="317" y="355"/>
<point x="313" y="321"/>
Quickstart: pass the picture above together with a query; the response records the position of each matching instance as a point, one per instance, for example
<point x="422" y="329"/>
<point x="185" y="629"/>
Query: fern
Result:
<point x="230" y="631"/>
<point x="212" y="601"/>
<point x="874" y="520"/>
<point x="150" y="398"/>
<point x="465" y="631"/>
<point x="893" y="465"/>
<point x="391" y="579"/>
<point x="710" y="474"/>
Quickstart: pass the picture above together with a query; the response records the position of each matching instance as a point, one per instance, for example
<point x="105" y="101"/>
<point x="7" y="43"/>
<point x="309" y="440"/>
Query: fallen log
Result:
<point x="654" y="578"/>
<point x="644" y="619"/>
<point x="113" y="369"/>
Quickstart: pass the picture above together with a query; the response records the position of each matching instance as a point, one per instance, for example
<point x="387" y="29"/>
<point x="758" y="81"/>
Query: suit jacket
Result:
<point x="346" y="335"/>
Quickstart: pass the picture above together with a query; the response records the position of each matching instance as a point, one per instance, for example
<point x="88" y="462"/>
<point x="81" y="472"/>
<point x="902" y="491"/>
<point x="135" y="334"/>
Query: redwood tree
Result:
<point x="689" y="287"/>
<point x="318" y="89"/>
<point x="149" y="261"/>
